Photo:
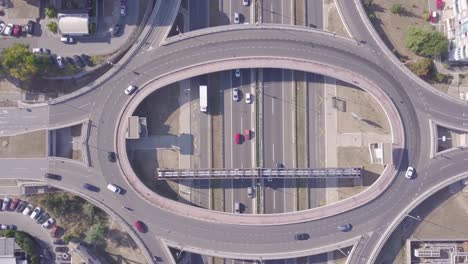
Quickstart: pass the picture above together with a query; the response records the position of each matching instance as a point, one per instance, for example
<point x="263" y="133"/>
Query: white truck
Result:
<point x="203" y="98"/>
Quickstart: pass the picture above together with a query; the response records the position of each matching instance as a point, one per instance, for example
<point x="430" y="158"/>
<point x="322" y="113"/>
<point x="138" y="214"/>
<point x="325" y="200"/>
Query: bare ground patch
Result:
<point x="335" y="24"/>
<point x="27" y="145"/>
<point x="359" y="157"/>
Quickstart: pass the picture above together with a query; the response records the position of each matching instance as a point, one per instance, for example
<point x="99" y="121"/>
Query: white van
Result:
<point x="250" y="192"/>
<point x="237" y="208"/>
<point x="114" y="188"/>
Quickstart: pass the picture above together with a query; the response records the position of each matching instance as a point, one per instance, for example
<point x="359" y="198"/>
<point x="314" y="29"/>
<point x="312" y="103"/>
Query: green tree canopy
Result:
<point x="21" y="63"/>
<point x="94" y="233"/>
<point x="422" y="67"/>
<point x="396" y="9"/>
<point x="426" y="42"/>
<point x="50" y="12"/>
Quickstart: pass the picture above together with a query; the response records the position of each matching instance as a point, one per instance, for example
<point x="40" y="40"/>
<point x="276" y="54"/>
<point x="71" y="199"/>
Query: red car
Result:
<point x="247" y="134"/>
<point x="238" y="138"/>
<point x="439" y="4"/>
<point x="14" y="204"/>
<point x="140" y="226"/>
<point x="17" y="30"/>
<point x="433" y="17"/>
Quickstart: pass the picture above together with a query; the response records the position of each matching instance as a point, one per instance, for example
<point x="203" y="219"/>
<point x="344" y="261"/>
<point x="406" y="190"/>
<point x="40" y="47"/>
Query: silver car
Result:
<point x="235" y="94"/>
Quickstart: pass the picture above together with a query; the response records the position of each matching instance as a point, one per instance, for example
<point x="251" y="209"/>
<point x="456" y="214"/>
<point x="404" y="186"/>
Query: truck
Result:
<point x="203" y="98"/>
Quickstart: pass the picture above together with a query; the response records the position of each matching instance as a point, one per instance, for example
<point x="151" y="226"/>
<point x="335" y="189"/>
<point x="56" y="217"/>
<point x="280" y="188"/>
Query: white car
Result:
<point x="237" y="73"/>
<point x="67" y="40"/>
<point x="48" y="223"/>
<point x="114" y="188"/>
<point x="123" y="10"/>
<point x="409" y="172"/>
<point x="5" y="204"/>
<point x="60" y="62"/>
<point x="236" y="18"/>
<point x="130" y="89"/>
<point x="248" y="98"/>
<point x="245" y="2"/>
<point x="235" y="94"/>
<point x="8" y="30"/>
<point x="36" y="212"/>
<point x="28" y="209"/>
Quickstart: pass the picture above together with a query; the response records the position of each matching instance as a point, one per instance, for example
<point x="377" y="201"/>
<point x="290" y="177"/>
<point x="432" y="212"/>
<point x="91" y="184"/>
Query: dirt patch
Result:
<point x="27" y="145"/>
<point x="361" y="111"/>
<point x="359" y="157"/>
<point x="21" y="9"/>
<point x="392" y="27"/>
<point x="144" y="163"/>
<point x="167" y="158"/>
<point x="161" y="110"/>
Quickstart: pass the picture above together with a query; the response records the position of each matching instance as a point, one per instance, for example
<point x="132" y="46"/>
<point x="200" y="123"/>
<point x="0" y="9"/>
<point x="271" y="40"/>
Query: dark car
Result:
<point x="61" y="249"/>
<point x="53" y="176"/>
<point x="116" y="29"/>
<point x="140" y="226"/>
<point x="21" y="206"/>
<point x="111" y="156"/>
<point x="90" y="187"/>
<point x="13" y="204"/>
<point x="30" y="27"/>
<point x="44" y="217"/>
<point x="85" y="59"/>
<point x="58" y="241"/>
<point x="345" y="227"/>
<point x="279" y="165"/>
<point x="70" y="61"/>
<point x="78" y="61"/>
<point x="301" y="236"/>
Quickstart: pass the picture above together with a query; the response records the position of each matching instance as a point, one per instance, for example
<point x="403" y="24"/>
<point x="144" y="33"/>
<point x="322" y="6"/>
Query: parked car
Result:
<point x="301" y="236"/>
<point x="14" y="204"/>
<point x="5" y="227"/>
<point x="238" y="138"/>
<point x="433" y="17"/>
<point x="90" y="187"/>
<point x="235" y="94"/>
<point x="250" y="191"/>
<point x="48" y="223"/>
<point x="114" y="188"/>
<point x="116" y="29"/>
<point x="61" y="249"/>
<point x="2" y="27"/>
<point x="28" y="209"/>
<point x="111" y="156"/>
<point x="236" y="18"/>
<point x="279" y="165"/>
<point x="30" y="27"/>
<point x="409" y="172"/>
<point x="44" y="217"/>
<point x="85" y="59"/>
<point x="71" y="61"/>
<point x="21" y="206"/>
<point x="5" y="204"/>
<point x="237" y="73"/>
<point x="58" y="241"/>
<point x="345" y="227"/>
<point x="123" y="10"/>
<point x="248" y="98"/>
<point x="78" y="61"/>
<point x="67" y="40"/>
<point x="17" y="30"/>
<point x="36" y="212"/>
<point x="60" y="62"/>
<point x="140" y="226"/>
<point x="41" y="51"/>
<point x="245" y="2"/>
<point x="53" y="176"/>
<point x="247" y="133"/>
<point x="130" y="89"/>
<point x="8" y="30"/>
<point x="439" y="4"/>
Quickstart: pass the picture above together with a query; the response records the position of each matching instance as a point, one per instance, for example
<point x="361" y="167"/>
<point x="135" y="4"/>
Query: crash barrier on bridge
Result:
<point x="268" y="173"/>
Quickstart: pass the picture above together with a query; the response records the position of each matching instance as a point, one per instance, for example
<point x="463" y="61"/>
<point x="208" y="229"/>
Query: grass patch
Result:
<point x="98" y="59"/>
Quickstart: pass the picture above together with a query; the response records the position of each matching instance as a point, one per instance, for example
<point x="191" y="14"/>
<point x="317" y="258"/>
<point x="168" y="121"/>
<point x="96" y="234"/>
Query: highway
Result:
<point x="228" y="49"/>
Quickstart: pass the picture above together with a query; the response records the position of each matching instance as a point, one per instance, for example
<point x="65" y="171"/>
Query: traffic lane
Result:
<point x="318" y="259"/>
<point x="229" y="200"/>
<point x="272" y="11"/>
<point x="200" y="193"/>
<point x="198" y="14"/>
<point x="240" y="121"/>
<point x="25" y="168"/>
<point x="237" y="6"/>
<point x="243" y="114"/>
<point x="226" y="83"/>
<point x="19" y="120"/>
<point x="274" y="196"/>
<point x="288" y="142"/>
<point x="314" y="14"/>
<point x="240" y="195"/>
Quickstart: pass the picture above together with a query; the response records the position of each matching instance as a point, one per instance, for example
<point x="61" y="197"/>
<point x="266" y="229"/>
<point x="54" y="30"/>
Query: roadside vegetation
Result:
<point x="20" y="63"/>
<point x="26" y="242"/>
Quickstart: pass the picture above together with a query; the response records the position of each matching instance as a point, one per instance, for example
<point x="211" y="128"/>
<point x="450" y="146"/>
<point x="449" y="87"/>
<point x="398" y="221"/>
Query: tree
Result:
<point x="50" y="12"/>
<point x="52" y="26"/>
<point x="422" y="67"/>
<point x="19" y="62"/>
<point x="396" y="9"/>
<point x="426" y="42"/>
<point x="94" y="233"/>
<point x="89" y="210"/>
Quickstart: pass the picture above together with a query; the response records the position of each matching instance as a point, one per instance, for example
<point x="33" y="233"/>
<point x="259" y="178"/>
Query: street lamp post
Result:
<point x="414" y="217"/>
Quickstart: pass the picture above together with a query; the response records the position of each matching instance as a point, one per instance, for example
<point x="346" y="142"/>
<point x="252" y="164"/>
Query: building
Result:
<point x="137" y="127"/>
<point x="73" y="24"/>
<point x="80" y="254"/>
<point x="457" y="29"/>
<point x="10" y="252"/>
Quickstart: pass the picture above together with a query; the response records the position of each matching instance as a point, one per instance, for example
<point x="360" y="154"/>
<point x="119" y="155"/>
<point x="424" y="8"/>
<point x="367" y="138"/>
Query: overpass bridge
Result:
<point x="258" y="173"/>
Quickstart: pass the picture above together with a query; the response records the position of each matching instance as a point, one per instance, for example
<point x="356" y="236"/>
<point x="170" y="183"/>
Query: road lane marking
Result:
<point x="273" y="152"/>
